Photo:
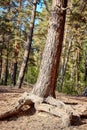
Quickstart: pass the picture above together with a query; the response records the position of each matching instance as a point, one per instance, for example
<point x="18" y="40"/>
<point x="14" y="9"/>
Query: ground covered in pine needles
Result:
<point x="31" y="120"/>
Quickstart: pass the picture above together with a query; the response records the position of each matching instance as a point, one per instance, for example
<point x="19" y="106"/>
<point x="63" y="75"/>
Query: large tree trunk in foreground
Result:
<point x="46" y="81"/>
<point x="28" y="47"/>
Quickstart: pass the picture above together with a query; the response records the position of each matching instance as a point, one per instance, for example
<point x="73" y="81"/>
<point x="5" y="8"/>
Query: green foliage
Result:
<point x="73" y="82"/>
<point x="31" y="74"/>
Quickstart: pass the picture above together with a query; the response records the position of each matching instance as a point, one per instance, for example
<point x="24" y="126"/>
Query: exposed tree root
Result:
<point x="69" y="115"/>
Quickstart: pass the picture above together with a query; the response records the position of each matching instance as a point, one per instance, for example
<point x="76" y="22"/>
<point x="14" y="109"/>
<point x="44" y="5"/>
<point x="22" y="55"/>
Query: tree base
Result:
<point x="69" y="115"/>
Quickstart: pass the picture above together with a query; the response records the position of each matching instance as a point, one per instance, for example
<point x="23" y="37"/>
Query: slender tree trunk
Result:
<point x="14" y="73"/>
<point x="4" y="74"/>
<point x="63" y="69"/>
<point x="0" y="62"/>
<point x="72" y="73"/>
<point x="62" y="57"/>
<point x="77" y="71"/>
<point x="28" y="47"/>
<point x="16" y="48"/>
<point x="46" y="81"/>
<point x="85" y="76"/>
<point x="6" y="69"/>
<point x="15" y="62"/>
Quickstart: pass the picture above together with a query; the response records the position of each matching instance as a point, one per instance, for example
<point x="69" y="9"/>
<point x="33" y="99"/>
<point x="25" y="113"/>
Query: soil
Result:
<point x="31" y="120"/>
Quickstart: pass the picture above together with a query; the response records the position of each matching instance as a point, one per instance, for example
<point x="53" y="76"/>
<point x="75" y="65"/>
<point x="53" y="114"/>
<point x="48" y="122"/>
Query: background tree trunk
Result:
<point x="14" y="74"/>
<point x="0" y="62"/>
<point x="6" y="70"/>
<point x="63" y="68"/>
<point x="15" y="62"/>
<point x="4" y="74"/>
<point x="85" y="77"/>
<point x="46" y="81"/>
<point x="28" y="47"/>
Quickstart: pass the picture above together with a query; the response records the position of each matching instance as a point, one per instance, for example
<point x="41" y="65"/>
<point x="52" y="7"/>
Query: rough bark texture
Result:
<point x="27" y="48"/>
<point x="46" y="81"/>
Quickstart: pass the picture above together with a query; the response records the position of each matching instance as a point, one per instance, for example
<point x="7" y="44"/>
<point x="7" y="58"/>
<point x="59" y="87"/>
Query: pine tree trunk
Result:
<point x="14" y="73"/>
<point x="85" y="76"/>
<point x="4" y="74"/>
<point x="63" y="69"/>
<point x="15" y="62"/>
<point x="46" y="81"/>
<point x="28" y="47"/>
<point x="72" y="73"/>
<point x="16" y="48"/>
<point x="0" y="62"/>
<point x="6" y="70"/>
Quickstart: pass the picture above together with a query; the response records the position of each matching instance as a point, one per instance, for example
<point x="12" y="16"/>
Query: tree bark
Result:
<point x="0" y="62"/>
<point x="46" y="81"/>
<point x="15" y="63"/>
<point x="28" y="47"/>
<point x="14" y="73"/>
<point x="6" y="69"/>
<point x="85" y="76"/>
<point x="63" y="68"/>
<point x="4" y="74"/>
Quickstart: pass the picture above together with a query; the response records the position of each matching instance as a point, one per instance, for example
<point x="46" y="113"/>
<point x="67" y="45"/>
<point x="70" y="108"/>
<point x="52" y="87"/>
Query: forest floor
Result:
<point x="31" y="120"/>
